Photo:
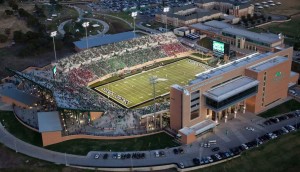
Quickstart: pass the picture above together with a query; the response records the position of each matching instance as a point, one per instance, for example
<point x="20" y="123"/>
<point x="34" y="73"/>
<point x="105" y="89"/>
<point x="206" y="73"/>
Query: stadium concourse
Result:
<point x="69" y="93"/>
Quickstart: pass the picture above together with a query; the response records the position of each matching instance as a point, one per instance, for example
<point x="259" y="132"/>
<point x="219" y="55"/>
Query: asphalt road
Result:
<point x="236" y="135"/>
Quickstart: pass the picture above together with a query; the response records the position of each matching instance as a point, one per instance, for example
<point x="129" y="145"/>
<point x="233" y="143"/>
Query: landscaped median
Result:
<point x="83" y="146"/>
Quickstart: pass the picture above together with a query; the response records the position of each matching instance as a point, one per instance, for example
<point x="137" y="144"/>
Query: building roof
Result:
<point x="199" y="127"/>
<point x="260" y="37"/>
<point x="95" y="41"/>
<point x="228" y="67"/>
<point x="49" y="121"/>
<point x="218" y="24"/>
<point x="268" y="63"/>
<point x="218" y="27"/>
<point x="199" y="13"/>
<point x="19" y="96"/>
<point x="230" y="88"/>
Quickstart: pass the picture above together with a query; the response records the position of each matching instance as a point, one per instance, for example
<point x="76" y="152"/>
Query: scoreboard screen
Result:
<point x="218" y="46"/>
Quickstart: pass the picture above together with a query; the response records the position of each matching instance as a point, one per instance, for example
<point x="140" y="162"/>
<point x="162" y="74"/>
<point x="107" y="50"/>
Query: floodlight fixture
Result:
<point x="134" y="14"/>
<point x="53" y="34"/>
<point x="85" y="24"/>
<point x="166" y="9"/>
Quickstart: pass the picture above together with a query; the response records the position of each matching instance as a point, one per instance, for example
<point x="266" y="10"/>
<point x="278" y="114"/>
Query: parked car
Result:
<point x="181" y="150"/>
<point x="156" y="153"/>
<point x="215" y="149"/>
<point x="196" y="161"/>
<point x="175" y="151"/>
<point x="181" y="165"/>
<point x="210" y="159"/>
<point x="105" y="156"/>
<point x="245" y="146"/>
<point x="97" y="156"/>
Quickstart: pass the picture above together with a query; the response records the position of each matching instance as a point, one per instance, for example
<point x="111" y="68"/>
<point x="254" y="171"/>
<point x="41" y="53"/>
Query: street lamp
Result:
<point x="166" y="10"/>
<point x="85" y="25"/>
<point x="53" y="34"/>
<point x="134" y="14"/>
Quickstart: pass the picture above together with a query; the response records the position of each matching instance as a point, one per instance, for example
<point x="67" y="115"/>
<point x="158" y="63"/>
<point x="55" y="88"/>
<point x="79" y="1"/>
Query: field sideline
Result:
<point x="136" y="89"/>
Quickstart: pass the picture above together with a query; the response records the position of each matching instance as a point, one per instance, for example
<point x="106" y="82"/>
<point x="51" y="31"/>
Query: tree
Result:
<point x="9" y="12"/>
<point x="297" y="46"/>
<point x="3" y="38"/>
<point x="15" y="7"/>
<point x="18" y="36"/>
<point x="7" y="31"/>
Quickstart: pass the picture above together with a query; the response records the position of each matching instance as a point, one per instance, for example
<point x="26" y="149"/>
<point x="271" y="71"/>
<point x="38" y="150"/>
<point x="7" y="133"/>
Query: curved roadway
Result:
<point x="237" y="135"/>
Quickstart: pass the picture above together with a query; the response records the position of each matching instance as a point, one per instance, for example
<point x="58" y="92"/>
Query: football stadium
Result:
<point x="140" y="86"/>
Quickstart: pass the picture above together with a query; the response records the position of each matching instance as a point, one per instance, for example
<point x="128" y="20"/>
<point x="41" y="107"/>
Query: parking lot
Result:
<point x="227" y="139"/>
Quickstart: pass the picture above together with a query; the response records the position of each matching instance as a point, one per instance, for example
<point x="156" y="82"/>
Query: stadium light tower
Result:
<point x="85" y="25"/>
<point x="53" y="34"/>
<point x="153" y="80"/>
<point x="133" y="15"/>
<point x="166" y="10"/>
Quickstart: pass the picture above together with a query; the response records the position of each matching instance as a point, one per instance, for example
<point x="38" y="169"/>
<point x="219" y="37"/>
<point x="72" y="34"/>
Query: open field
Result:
<point x="137" y="89"/>
<point x="83" y="146"/>
<point x="287" y="8"/>
<point x="288" y="106"/>
<point x="279" y="155"/>
<point x="115" y="25"/>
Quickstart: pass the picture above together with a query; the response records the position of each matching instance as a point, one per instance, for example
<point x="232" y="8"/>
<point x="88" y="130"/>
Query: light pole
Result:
<point x="166" y="10"/>
<point x="134" y="14"/>
<point x="53" y="34"/>
<point x="85" y="25"/>
<point x="153" y="81"/>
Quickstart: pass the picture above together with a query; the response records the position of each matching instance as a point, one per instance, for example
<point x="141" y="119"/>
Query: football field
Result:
<point x="136" y="89"/>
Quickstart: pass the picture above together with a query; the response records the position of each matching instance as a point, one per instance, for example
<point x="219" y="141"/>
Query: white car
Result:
<point x="245" y="146"/>
<point x="181" y="165"/>
<point x="119" y="156"/>
<point x="210" y="159"/>
<point x="284" y="130"/>
<point x="156" y="153"/>
<point x="250" y="128"/>
<point x="218" y="156"/>
<point x="97" y="156"/>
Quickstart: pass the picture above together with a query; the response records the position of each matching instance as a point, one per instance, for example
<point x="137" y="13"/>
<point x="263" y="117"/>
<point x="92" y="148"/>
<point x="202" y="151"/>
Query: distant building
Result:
<point x="238" y="37"/>
<point x="227" y="7"/>
<point x="189" y="14"/>
<point x="202" y="11"/>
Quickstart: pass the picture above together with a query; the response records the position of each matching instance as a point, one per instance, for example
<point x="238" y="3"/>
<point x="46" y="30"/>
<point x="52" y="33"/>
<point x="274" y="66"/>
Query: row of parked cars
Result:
<point x="254" y="143"/>
<point x="282" y="117"/>
<point x="121" y="155"/>
<point x="213" y="158"/>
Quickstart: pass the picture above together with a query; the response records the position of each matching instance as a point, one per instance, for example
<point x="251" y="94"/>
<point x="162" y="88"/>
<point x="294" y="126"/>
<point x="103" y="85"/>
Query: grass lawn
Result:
<point x="19" y="130"/>
<point x="137" y="89"/>
<point x="279" y="155"/>
<point x="83" y="146"/>
<point x="115" y="25"/>
<point x="201" y="56"/>
<point x="288" y="106"/>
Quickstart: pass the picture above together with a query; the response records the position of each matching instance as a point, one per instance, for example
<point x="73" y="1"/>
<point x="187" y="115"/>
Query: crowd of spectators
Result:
<point x="68" y="88"/>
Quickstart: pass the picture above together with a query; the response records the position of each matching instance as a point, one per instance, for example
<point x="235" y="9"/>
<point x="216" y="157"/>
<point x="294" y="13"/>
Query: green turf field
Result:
<point x="136" y="89"/>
